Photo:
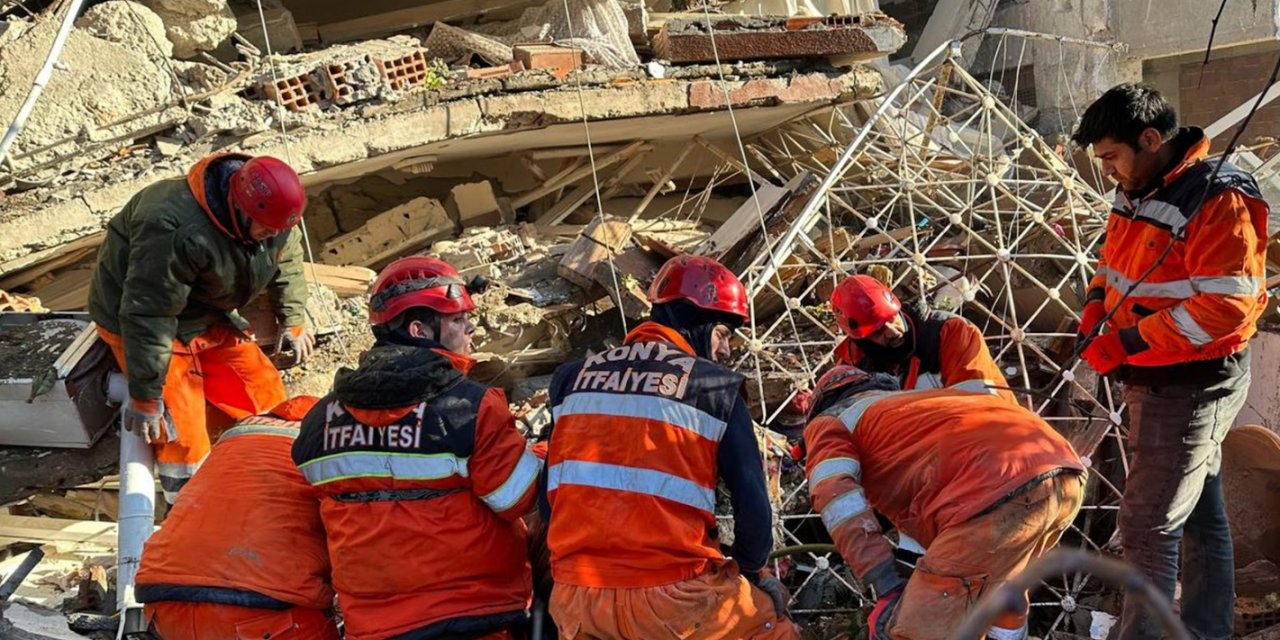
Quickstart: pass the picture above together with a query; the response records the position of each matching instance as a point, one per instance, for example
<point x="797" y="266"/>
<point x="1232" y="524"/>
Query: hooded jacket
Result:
<point x="424" y="480"/>
<point x="174" y="262"/>
<point x="942" y="350"/>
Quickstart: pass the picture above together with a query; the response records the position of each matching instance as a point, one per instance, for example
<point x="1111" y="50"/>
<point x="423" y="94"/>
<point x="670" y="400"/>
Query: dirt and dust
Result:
<point x="27" y="350"/>
<point x="335" y="351"/>
<point x="195" y="25"/>
<point x="128" y="24"/>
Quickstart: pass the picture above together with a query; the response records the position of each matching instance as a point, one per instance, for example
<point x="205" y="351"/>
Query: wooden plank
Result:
<point x="47" y="530"/>
<point x="345" y="280"/>
<point x="69" y="291"/>
<point x="569" y="204"/>
<point x="599" y="241"/>
<point x="734" y="161"/>
<point x="370" y="26"/>
<point x="23" y="270"/>
<point x="743" y="222"/>
<point x="580" y="173"/>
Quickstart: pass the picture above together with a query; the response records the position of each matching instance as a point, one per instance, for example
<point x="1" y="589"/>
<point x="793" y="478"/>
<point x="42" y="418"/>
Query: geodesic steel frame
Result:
<point x="949" y="190"/>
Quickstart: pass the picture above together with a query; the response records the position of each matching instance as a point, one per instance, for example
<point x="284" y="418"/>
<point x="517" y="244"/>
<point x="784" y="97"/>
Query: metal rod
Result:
<point x="42" y="78"/>
<point x="1011" y="596"/>
<point x="15" y="579"/>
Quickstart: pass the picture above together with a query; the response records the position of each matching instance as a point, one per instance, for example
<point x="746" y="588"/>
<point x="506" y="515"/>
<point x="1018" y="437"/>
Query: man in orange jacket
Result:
<point x="242" y="553"/>
<point x="641" y="436"/>
<point x="178" y="262"/>
<point x="424" y="475"/>
<point x="984" y="484"/>
<point x="924" y="348"/>
<point x="1180" y="282"/>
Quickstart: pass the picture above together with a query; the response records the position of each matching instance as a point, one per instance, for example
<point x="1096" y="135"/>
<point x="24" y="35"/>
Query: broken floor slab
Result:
<point x="494" y="125"/>
<point x="730" y="38"/>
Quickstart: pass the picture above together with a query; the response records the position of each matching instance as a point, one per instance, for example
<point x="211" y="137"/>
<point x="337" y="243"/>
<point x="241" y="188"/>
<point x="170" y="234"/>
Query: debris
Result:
<point x="127" y="23"/>
<point x="229" y="113"/>
<point x="281" y="28"/>
<point x="600" y="241"/>
<point x="194" y="25"/>
<point x="413" y="224"/>
<point x="458" y="46"/>
<point x="859" y="38"/>
<point x="598" y="27"/>
<point x="11" y="302"/>
<point x="28" y="350"/>
<point x="345" y="281"/>
<point x="473" y="204"/>
<point x="559" y="60"/>
<point x="1250" y="481"/>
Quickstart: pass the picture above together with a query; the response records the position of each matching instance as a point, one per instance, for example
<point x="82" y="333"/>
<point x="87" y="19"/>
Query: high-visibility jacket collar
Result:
<point x="463" y="363"/>
<point x="650" y="331"/>
<point x="1197" y="150"/>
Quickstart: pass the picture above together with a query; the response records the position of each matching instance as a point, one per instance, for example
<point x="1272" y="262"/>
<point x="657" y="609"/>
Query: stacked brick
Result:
<point x="347" y="81"/>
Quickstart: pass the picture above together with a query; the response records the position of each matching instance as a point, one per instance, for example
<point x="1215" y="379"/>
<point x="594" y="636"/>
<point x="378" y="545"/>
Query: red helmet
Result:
<point x="418" y="281"/>
<point x="863" y="305"/>
<point x="835" y="379"/>
<point x="294" y="408"/>
<point x="703" y="282"/>
<point x="268" y="191"/>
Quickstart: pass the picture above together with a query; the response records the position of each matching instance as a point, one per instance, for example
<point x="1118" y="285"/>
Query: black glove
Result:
<point x="478" y="285"/>
<point x="766" y="582"/>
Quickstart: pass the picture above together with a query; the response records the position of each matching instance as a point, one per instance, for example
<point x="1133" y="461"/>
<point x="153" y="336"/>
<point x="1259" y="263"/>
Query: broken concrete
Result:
<point x="346" y="145"/>
<point x="194" y="25"/>
<point x="855" y="38"/>
<point x="127" y="23"/>
<point x="98" y="93"/>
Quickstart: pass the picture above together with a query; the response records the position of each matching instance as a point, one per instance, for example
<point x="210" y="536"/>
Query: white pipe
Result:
<point x="42" y="79"/>
<point x="135" y="523"/>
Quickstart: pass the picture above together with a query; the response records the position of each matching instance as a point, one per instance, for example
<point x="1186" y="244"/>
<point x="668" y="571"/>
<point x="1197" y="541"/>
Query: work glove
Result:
<point x="148" y="418"/>
<point x="298" y="339"/>
<point x="1106" y="353"/>
<point x="1090" y="316"/>
<point x="769" y="584"/>
<point x="882" y="615"/>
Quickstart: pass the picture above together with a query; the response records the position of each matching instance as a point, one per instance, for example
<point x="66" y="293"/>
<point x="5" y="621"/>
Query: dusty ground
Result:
<point x="341" y="349"/>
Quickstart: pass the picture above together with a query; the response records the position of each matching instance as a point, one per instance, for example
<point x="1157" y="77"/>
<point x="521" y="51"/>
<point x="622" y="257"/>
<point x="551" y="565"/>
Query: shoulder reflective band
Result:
<point x="259" y="430"/>
<point x="370" y="464"/>
<point x="1162" y="213"/>
<point x="516" y="484"/>
<point x="975" y="386"/>
<point x="853" y="414"/>
<point x="634" y="480"/>
<point x="619" y="405"/>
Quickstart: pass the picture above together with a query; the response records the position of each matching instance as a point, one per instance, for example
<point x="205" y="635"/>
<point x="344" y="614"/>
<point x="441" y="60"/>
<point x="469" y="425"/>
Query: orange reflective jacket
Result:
<point x="925" y="459"/>
<point x="244" y="531"/>
<point x="632" y="465"/>
<point x="1203" y="300"/>
<point x="423" y="501"/>
<point x="948" y="350"/>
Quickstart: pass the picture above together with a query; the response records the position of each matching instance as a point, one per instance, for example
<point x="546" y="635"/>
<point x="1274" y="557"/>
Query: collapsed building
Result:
<point x="565" y="150"/>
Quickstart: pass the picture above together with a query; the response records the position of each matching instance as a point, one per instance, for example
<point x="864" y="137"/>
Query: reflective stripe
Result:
<point x="259" y="430"/>
<point x="372" y="464"/>
<point x="177" y="469"/>
<point x="1189" y="328"/>
<point x="1163" y="213"/>
<point x="999" y="633"/>
<point x="620" y="478"/>
<point x="516" y="484"/>
<point x="1227" y="285"/>
<point x="1177" y="289"/>
<point x="907" y="543"/>
<point x="845" y="506"/>
<point x="853" y="414"/>
<point x="632" y="405"/>
<point x="975" y="386"/>
<point x="834" y="467"/>
<point x="928" y="381"/>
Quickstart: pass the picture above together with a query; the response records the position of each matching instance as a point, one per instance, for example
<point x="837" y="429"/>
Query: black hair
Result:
<point x="1123" y="113"/>
<point x="398" y="328"/>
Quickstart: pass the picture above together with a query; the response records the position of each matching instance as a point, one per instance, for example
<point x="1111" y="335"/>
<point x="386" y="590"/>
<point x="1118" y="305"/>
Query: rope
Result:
<point x="595" y="179"/>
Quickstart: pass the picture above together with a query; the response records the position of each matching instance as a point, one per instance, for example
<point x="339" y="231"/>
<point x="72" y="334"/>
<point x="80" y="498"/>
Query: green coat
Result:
<point x="166" y="271"/>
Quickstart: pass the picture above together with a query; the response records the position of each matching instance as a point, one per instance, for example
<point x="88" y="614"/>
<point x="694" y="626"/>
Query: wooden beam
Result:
<point x="370" y="26"/>
<point x="572" y="152"/>
<point x="732" y="160"/>
<point x="657" y="186"/>
<point x="562" y="179"/>
<point x="566" y="206"/>
<point x="346" y="281"/>
<point x="27" y="268"/>
<point x="47" y="530"/>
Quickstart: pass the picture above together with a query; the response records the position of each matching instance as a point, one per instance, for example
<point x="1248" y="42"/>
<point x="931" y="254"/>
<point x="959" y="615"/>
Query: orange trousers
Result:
<point x="219" y="377"/>
<point x="717" y="605"/>
<point x="977" y="556"/>
<point x="208" y="621"/>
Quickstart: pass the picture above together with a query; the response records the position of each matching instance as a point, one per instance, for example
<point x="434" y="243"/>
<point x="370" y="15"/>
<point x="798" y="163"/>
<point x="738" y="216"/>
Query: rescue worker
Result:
<point x="242" y="553"/>
<point x="641" y="436"/>
<point x="178" y="261"/>
<point x="423" y="474"/>
<point x="924" y="348"/>
<point x="985" y="484"/>
<point x="1180" y="281"/>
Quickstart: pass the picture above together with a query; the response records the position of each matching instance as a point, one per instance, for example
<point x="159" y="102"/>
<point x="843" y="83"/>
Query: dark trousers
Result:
<point x="1173" y="503"/>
